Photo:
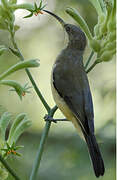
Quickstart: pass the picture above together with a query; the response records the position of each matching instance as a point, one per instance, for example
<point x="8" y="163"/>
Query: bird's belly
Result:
<point x="65" y="109"/>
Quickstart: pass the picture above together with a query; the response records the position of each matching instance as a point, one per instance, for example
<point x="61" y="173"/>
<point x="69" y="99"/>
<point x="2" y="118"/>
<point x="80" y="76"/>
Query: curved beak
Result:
<point x="57" y="17"/>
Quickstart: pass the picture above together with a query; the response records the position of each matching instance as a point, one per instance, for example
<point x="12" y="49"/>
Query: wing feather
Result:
<point x="74" y="89"/>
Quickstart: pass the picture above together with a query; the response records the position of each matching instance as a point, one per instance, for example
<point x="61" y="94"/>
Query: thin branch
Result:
<point x="30" y="76"/>
<point x="91" y="67"/>
<point x="38" y="91"/>
<point x="40" y="151"/>
<point x="9" y="169"/>
<point x="89" y="59"/>
<point x="41" y="145"/>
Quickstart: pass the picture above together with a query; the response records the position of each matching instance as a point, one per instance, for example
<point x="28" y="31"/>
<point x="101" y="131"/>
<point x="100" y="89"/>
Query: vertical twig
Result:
<point x="41" y="145"/>
<point x="40" y="151"/>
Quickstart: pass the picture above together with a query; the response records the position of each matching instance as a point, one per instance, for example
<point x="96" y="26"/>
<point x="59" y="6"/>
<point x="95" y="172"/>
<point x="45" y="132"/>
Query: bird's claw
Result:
<point x="49" y="118"/>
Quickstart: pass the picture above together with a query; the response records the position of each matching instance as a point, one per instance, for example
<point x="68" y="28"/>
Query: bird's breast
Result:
<point x="60" y="101"/>
<point x="64" y="107"/>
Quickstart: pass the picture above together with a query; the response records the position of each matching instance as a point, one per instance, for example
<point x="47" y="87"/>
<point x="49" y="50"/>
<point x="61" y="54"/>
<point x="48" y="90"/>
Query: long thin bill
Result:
<point x="57" y="17"/>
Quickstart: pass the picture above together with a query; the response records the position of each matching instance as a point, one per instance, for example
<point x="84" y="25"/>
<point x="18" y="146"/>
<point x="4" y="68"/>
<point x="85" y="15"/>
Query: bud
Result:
<point x="100" y="28"/>
<point x="112" y="36"/>
<point x="95" y="45"/>
<point x="111" y="24"/>
<point x="106" y="56"/>
<point x="111" y="45"/>
<point x="96" y="31"/>
<point x="101" y="18"/>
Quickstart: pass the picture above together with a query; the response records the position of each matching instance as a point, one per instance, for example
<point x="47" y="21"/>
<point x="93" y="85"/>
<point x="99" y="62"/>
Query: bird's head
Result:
<point x="77" y="38"/>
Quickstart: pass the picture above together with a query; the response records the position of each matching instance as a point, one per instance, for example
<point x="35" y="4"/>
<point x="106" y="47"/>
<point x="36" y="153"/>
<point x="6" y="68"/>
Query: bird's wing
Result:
<point x="75" y="91"/>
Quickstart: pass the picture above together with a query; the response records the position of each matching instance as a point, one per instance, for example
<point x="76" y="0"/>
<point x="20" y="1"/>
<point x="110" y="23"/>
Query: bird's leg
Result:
<point x="48" y="118"/>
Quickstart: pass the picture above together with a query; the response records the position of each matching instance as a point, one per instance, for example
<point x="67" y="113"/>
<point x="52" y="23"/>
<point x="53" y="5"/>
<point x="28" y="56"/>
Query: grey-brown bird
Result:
<point x="71" y="91"/>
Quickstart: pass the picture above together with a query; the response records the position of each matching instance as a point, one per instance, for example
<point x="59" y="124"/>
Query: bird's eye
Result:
<point x="68" y="29"/>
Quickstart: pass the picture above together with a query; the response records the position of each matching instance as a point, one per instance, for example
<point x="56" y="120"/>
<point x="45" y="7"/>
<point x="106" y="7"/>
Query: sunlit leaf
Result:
<point x="4" y="121"/>
<point x="19" y="66"/>
<point x="16" y="122"/>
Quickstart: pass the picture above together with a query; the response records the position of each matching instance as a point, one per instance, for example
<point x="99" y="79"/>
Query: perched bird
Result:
<point x="71" y="91"/>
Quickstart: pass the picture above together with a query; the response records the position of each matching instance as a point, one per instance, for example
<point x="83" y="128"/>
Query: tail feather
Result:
<point x="97" y="161"/>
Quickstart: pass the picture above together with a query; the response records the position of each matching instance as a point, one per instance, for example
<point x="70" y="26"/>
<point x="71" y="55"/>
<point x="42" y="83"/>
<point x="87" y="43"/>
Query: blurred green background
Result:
<point x="65" y="156"/>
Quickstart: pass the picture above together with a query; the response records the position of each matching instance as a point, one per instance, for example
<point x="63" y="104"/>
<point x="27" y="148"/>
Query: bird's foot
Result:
<point x="50" y="119"/>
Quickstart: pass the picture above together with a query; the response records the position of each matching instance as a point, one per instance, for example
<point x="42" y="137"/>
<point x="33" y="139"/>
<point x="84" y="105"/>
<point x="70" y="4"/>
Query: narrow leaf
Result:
<point x="13" y="1"/>
<point x="17" y="87"/>
<point x="4" y="121"/>
<point x="2" y="49"/>
<point x="30" y="15"/>
<point x="97" y="6"/>
<point x="40" y="5"/>
<point x="22" y="126"/>
<point x="35" y="6"/>
<point x="20" y="65"/>
<point x="13" y="128"/>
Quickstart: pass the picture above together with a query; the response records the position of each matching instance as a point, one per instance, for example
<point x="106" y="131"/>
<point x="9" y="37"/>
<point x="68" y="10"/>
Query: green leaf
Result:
<point x="3" y="24"/>
<point x="15" y="124"/>
<point x="97" y="6"/>
<point x="26" y="6"/>
<point x="17" y="87"/>
<point x="103" y="7"/>
<point x="18" y="154"/>
<point x="16" y="28"/>
<point x="43" y="6"/>
<point x="18" y="66"/>
<point x="12" y="1"/>
<point x="4" y="121"/>
<point x="35" y="6"/>
<point x="5" y="3"/>
<point x="23" y="125"/>
<point x="18" y="147"/>
<point x="2" y="49"/>
<point x="8" y="147"/>
<point x="30" y="15"/>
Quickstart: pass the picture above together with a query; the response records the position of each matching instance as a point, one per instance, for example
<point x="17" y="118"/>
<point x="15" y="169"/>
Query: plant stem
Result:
<point x="41" y="145"/>
<point x="91" y="67"/>
<point x="38" y="91"/>
<point x="89" y="59"/>
<point x="40" y="150"/>
<point x="30" y="76"/>
<point x="9" y="169"/>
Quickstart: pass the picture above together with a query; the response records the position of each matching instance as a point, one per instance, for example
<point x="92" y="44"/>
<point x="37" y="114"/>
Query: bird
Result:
<point x="71" y="90"/>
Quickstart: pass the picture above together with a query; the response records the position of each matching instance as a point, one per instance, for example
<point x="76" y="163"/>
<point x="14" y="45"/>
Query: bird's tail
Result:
<point x="97" y="161"/>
